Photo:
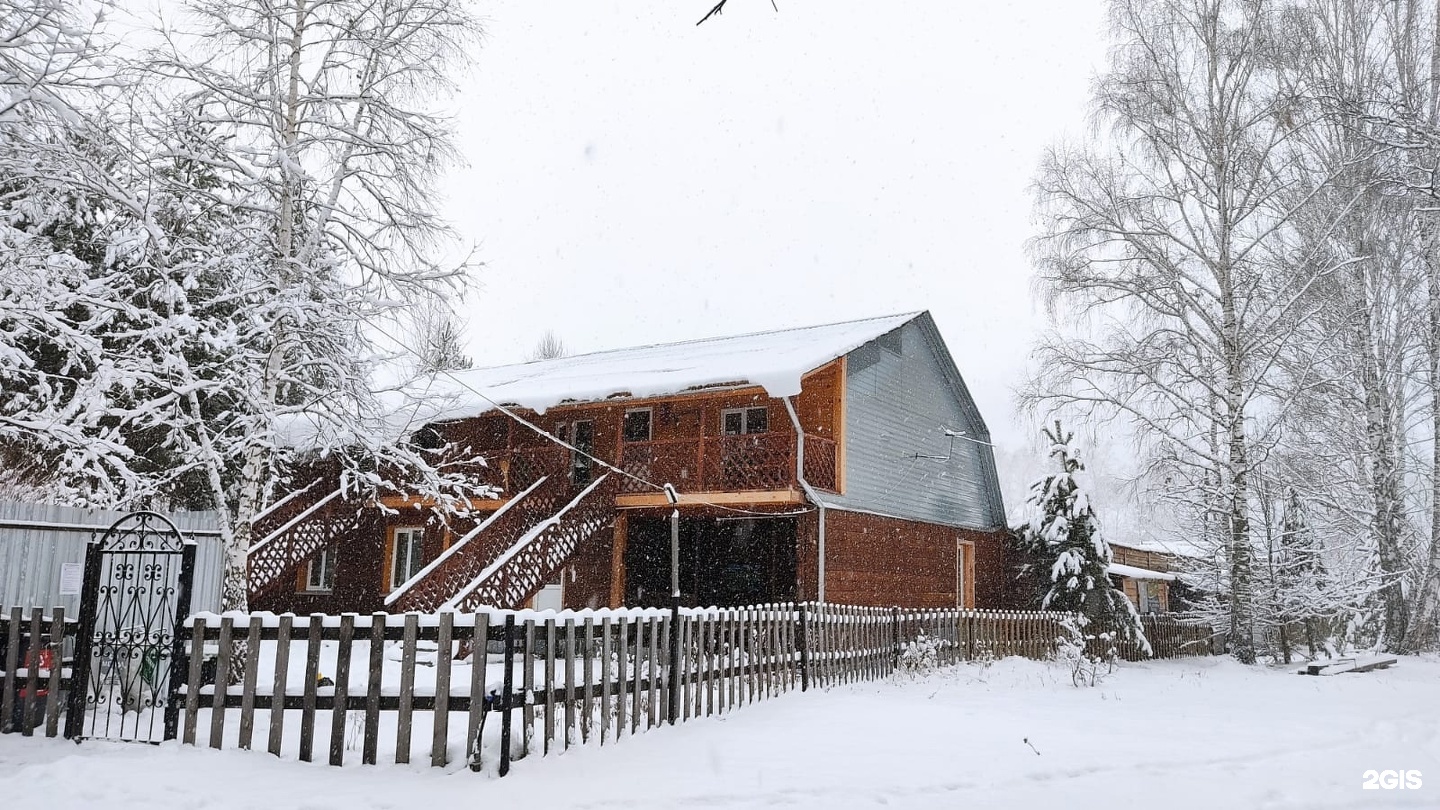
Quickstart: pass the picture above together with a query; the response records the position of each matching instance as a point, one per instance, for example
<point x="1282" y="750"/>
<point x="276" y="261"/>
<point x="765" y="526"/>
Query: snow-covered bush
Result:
<point x="920" y="656"/>
<point x="1090" y="656"/>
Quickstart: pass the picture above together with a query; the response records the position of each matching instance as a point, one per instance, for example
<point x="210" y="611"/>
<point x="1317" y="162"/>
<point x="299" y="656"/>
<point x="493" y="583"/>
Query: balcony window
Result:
<point x="744" y="421"/>
<point x="637" y="425"/>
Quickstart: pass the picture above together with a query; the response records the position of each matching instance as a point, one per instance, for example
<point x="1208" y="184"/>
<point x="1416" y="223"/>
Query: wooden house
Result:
<point x="845" y="462"/>
<point x="1145" y="575"/>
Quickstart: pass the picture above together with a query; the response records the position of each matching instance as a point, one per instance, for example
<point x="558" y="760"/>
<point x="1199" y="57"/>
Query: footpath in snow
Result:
<point x="1191" y="733"/>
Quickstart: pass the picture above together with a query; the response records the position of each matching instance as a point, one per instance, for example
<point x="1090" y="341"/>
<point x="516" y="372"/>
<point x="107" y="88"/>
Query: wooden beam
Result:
<point x="617" y="562"/>
<point x="646" y="500"/>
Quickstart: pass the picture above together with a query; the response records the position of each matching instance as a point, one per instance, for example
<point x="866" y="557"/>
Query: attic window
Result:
<point x="637" y="425"/>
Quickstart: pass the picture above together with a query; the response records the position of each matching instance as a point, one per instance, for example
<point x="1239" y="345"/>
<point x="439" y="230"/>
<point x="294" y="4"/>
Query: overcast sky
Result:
<point x="635" y="179"/>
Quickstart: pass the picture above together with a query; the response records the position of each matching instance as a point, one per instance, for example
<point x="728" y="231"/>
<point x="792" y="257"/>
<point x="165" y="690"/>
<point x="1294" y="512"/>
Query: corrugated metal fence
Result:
<point x="36" y="540"/>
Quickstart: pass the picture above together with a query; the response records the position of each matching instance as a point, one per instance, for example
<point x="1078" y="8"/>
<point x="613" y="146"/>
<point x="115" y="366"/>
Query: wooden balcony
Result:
<point x="760" y="462"/>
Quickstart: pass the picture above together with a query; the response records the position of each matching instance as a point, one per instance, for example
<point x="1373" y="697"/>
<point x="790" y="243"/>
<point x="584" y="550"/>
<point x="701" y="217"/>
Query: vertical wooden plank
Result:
<point x="315" y="623"/>
<point x="222" y="682"/>
<point x="277" y="689"/>
<point x="408" y="639"/>
<point x="569" y="681"/>
<point x="722" y="661"/>
<point x="751" y="653"/>
<point x="341" y="710"/>
<point x="587" y="646"/>
<point x="247" y="689"/>
<point x="549" y="685"/>
<point x="652" y="667"/>
<point x="605" y="680"/>
<point x="764" y="646"/>
<point x="32" y="674"/>
<point x="52" y="699"/>
<point x="528" y="678"/>
<point x="707" y="663"/>
<point x="638" y="681"/>
<point x="375" y="672"/>
<point x="732" y="658"/>
<point x="479" y="665"/>
<point x="12" y="663"/>
<point x="623" y="654"/>
<point x="192" y="685"/>
<point x="444" y="654"/>
<point x="792" y="657"/>
<point x="692" y="663"/>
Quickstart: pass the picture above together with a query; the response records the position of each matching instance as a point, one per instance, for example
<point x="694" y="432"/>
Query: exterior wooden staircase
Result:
<point x="510" y="556"/>
<point x="503" y="562"/>
<point x="294" y="530"/>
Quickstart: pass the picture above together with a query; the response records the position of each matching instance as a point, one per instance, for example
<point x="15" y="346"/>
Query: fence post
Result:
<point x="894" y="637"/>
<point x="804" y="644"/>
<point x="507" y="694"/>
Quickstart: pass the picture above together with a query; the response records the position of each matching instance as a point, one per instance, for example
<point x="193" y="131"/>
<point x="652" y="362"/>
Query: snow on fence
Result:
<point x="407" y="686"/>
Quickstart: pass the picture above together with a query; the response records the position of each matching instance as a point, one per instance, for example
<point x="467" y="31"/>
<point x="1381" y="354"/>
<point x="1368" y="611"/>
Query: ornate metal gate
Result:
<point x="128" y="657"/>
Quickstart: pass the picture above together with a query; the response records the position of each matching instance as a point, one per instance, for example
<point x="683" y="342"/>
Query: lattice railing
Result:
<point x="491" y="539"/>
<point x="526" y="567"/>
<point x="665" y="462"/>
<point x="820" y="462"/>
<point x="764" y="461"/>
<point x="285" y="538"/>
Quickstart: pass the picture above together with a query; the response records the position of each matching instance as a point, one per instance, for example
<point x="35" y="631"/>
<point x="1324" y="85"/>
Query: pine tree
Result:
<point x="1065" y="535"/>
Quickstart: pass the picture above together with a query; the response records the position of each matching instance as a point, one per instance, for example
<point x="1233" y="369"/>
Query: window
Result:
<point x="1149" y="596"/>
<point x="320" y="571"/>
<point x="407" y="554"/>
<point x="741" y="421"/>
<point x="581" y="462"/>
<point x="637" y="425"/>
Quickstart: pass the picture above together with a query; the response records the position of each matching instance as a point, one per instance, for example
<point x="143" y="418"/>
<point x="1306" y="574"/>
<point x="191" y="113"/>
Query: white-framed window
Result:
<point x="320" y="572"/>
<point x="407" y="554"/>
<point x="743" y="421"/>
<point x="637" y="425"/>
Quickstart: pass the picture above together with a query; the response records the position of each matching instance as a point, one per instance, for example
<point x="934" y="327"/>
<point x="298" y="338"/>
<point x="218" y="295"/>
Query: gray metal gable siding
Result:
<point x="898" y="406"/>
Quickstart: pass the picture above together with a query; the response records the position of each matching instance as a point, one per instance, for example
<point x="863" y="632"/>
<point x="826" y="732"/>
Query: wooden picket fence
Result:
<point x="410" y="686"/>
<point x="32" y="688"/>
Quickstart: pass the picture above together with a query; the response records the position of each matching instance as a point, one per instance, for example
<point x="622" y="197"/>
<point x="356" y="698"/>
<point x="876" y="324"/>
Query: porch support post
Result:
<point x="617" y="560"/>
<point x="674" y="681"/>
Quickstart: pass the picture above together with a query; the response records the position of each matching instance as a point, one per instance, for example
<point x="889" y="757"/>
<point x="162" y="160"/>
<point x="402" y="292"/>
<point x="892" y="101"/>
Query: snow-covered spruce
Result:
<point x="1064" y="538"/>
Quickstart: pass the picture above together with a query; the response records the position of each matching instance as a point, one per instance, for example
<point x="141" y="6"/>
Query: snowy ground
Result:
<point x="1198" y="733"/>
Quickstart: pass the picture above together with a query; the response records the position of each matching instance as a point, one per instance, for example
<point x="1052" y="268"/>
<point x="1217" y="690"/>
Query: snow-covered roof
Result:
<point x="774" y="360"/>
<point x="1133" y="572"/>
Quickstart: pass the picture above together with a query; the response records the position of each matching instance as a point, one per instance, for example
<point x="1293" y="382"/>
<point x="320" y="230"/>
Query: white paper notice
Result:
<point x="71" y="575"/>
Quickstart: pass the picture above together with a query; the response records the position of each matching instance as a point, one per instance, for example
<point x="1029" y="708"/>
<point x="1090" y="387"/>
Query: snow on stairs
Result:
<point x="508" y="557"/>
<point x="1335" y="666"/>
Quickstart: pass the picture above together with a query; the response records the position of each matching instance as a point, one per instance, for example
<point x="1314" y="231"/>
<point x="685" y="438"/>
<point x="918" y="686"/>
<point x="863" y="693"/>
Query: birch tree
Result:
<point x="326" y="109"/>
<point x="1160" y="240"/>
